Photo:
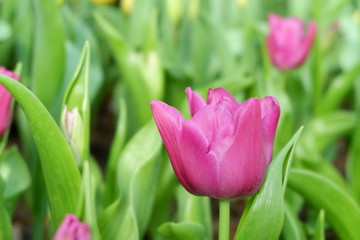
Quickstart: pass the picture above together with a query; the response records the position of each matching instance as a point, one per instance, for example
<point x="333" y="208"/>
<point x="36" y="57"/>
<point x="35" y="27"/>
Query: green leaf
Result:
<point x="49" y="54"/>
<point x="5" y="221"/>
<point x="62" y="178"/>
<point x="111" y="188"/>
<point x="182" y="231"/>
<point x="292" y="229"/>
<point x="131" y="65"/>
<point x="196" y="210"/>
<point x="118" y="222"/>
<point x="90" y="210"/>
<point x="325" y="168"/>
<point x="264" y="214"/>
<point x="138" y="172"/>
<point x="319" y="230"/>
<point x="324" y="130"/>
<point x="338" y="89"/>
<point x="342" y="211"/>
<point x="15" y="173"/>
<point x="137" y="176"/>
<point x="353" y="163"/>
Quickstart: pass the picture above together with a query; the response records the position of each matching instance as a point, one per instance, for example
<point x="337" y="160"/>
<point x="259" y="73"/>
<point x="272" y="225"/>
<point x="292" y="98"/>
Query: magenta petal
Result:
<point x="72" y="229"/>
<point x="270" y="112"/>
<point x="83" y="232"/>
<point x="218" y="94"/>
<point x="287" y="43"/>
<point x="169" y="122"/>
<point x="196" y="102"/>
<point x="5" y="102"/>
<point x="201" y="166"/>
<point x="243" y="166"/>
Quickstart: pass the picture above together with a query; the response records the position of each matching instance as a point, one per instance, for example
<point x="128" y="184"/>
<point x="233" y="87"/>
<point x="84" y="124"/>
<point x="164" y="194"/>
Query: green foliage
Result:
<point x="342" y="211"/>
<point x="137" y="173"/>
<point x="49" y="54"/>
<point x="15" y="174"/>
<point x="76" y="99"/>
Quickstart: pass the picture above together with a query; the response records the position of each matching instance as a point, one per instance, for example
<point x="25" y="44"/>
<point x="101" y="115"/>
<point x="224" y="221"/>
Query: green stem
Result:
<point x="224" y="219"/>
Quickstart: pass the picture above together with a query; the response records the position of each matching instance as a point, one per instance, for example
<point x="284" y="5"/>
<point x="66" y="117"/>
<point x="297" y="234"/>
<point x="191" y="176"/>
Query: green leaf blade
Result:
<point x="62" y="178"/>
<point x="342" y="211"/>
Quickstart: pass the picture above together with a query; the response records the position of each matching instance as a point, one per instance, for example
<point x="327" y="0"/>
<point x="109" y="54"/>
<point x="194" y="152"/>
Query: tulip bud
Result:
<point x="287" y="42"/>
<point x="223" y="151"/>
<point x="5" y="102"/>
<point x="72" y="229"/>
<point x="72" y="125"/>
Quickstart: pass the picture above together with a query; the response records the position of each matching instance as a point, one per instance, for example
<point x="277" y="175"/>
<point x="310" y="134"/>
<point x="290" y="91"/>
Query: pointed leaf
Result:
<point x="320" y="228"/>
<point x="62" y="178"/>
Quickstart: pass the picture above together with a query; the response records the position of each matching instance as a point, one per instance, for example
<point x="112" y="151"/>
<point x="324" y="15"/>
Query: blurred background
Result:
<point x="141" y="50"/>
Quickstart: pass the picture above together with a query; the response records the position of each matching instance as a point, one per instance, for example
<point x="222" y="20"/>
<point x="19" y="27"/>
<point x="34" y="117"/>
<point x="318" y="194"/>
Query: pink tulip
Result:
<point x="5" y="102"/>
<point x="72" y="229"/>
<point x="223" y="151"/>
<point x="287" y="42"/>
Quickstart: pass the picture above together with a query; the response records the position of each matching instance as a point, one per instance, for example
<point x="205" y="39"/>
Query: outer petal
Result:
<point x="196" y="102"/>
<point x="216" y="95"/>
<point x="201" y="166"/>
<point x="169" y="122"/>
<point x="5" y="102"/>
<point x="243" y="166"/>
<point x="270" y="112"/>
<point x="308" y="41"/>
<point x="83" y="232"/>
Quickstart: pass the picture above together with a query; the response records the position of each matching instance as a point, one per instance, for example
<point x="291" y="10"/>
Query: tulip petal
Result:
<point x="270" y="112"/>
<point x="216" y="95"/>
<point x="5" y="102"/>
<point x="287" y="43"/>
<point x="195" y="101"/>
<point x="169" y="122"/>
<point x="243" y="166"/>
<point x="200" y="166"/>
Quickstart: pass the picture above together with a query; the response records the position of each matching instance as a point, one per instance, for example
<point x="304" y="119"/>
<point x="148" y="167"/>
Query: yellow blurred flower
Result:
<point x="356" y="16"/>
<point x="241" y="3"/>
<point x="127" y="6"/>
<point x="103" y="1"/>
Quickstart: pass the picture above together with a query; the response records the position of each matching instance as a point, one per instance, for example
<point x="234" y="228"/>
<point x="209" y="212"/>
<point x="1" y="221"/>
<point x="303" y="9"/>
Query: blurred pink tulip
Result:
<point x="5" y="102"/>
<point x="287" y="42"/>
<point x="72" y="229"/>
<point x="223" y="151"/>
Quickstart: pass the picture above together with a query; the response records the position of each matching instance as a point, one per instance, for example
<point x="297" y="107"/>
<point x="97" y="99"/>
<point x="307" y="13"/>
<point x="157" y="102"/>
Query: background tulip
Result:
<point x="72" y="229"/>
<point x="5" y="102"/>
<point x="288" y="43"/>
<point x="224" y="149"/>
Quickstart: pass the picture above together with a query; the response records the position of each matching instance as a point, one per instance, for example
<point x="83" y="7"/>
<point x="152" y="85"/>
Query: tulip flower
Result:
<point x="223" y="151"/>
<point x="5" y="102"/>
<point x="72" y="229"/>
<point x="287" y="42"/>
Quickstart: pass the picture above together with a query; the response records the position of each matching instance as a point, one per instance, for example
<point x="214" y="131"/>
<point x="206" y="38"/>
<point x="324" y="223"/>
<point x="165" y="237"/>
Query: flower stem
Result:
<point x="224" y="219"/>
